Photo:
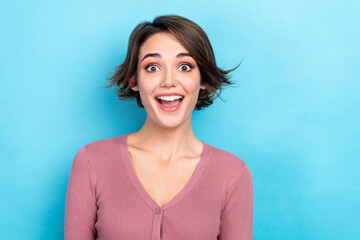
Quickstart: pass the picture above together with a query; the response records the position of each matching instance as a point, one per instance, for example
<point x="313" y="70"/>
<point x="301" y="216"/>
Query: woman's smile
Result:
<point x="170" y="103"/>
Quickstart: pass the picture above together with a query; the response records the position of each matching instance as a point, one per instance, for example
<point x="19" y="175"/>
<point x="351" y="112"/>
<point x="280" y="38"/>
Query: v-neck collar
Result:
<point x="125" y="156"/>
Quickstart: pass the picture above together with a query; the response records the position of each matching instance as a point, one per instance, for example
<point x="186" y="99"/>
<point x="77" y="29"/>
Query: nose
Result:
<point x="168" y="79"/>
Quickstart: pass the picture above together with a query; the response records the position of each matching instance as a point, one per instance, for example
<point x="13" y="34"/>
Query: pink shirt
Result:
<point x="105" y="200"/>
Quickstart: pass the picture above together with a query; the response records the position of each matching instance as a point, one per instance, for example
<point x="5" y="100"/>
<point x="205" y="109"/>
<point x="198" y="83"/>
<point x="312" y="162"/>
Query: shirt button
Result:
<point x="158" y="210"/>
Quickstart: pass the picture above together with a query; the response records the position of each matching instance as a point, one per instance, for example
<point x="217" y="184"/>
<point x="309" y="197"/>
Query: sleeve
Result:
<point x="80" y="205"/>
<point x="237" y="215"/>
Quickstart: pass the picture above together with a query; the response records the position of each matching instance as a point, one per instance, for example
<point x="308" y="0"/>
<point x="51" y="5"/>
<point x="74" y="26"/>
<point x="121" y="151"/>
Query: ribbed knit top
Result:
<point x="105" y="200"/>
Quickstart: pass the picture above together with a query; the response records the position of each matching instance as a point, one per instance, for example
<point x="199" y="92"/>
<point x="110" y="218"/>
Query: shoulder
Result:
<point x="102" y="145"/>
<point x="226" y="159"/>
<point x="101" y="150"/>
<point x="227" y="163"/>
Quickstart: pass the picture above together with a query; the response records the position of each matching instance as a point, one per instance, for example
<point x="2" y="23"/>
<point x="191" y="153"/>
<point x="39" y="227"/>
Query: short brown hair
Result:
<point x="193" y="38"/>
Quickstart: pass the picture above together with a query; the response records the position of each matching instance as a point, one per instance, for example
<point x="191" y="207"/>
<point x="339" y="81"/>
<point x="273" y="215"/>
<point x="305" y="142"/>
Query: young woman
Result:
<point x="161" y="182"/>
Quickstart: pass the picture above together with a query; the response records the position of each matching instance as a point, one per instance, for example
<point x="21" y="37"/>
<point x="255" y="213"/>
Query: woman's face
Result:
<point x="165" y="67"/>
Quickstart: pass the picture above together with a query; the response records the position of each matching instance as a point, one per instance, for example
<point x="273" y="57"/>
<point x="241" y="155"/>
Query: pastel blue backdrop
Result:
<point x="293" y="117"/>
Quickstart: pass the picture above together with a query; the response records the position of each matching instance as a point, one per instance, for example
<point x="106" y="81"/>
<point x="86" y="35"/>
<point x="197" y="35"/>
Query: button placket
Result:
<point x="157" y="226"/>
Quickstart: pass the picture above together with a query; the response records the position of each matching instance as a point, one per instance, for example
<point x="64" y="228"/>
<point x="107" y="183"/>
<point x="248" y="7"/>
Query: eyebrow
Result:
<point x="157" y="55"/>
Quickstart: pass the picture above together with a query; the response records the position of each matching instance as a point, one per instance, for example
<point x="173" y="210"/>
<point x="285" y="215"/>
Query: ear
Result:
<point x="203" y="86"/>
<point x="132" y="83"/>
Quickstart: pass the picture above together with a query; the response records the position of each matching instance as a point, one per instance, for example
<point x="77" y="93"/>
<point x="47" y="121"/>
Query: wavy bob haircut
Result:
<point x="193" y="38"/>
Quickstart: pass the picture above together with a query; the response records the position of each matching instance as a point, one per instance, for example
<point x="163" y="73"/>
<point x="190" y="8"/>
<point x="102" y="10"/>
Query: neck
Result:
<point x="167" y="144"/>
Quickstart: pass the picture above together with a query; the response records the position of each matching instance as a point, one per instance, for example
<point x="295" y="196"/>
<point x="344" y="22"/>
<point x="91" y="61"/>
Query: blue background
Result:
<point x="293" y="117"/>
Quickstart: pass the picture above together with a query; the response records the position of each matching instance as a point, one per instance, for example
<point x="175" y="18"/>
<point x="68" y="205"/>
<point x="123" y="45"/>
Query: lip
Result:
<point x="169" y="109"/>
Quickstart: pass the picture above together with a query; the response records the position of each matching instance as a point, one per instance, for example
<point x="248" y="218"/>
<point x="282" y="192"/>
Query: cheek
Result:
<point x="192" y="85"/>
<point x="146" y="89"/>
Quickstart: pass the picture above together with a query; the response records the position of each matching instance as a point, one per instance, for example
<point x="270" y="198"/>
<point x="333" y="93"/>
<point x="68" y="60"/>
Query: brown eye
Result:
<point x="151" y="68"/>
<point x="186" y="67"/>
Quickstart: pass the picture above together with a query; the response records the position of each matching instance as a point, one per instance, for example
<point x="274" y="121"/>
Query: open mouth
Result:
<point x="169" y="104"/>
<point x="172" y="103"/>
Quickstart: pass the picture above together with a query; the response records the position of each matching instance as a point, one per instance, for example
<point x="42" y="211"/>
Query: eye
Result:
<point x="151" y="68"/>
<point x="186" y="67"/>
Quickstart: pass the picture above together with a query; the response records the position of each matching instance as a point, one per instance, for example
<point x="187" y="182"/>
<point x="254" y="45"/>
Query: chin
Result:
<point x="170" y="123"/>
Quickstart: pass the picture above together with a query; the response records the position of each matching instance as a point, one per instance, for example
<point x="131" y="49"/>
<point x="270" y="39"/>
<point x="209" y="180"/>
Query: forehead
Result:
<point x="163" y="43"/>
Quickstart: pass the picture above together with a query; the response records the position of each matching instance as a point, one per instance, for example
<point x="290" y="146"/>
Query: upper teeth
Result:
<point x="169" y="98"/>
